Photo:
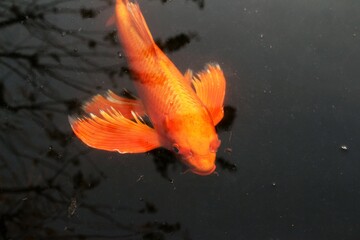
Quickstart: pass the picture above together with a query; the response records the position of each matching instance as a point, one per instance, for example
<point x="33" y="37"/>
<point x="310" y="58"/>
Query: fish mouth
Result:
<point x="203" y="173"/>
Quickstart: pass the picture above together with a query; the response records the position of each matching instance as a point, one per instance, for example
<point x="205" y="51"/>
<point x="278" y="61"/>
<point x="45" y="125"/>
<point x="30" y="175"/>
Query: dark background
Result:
<point x="288" y="165"/>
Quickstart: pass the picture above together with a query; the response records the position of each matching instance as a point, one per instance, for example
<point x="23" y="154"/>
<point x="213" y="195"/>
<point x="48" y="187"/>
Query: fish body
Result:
<point x="182" y="108"/>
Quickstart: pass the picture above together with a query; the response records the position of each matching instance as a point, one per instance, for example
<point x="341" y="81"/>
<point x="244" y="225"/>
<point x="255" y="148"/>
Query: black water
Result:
<point x="288" y="165"/>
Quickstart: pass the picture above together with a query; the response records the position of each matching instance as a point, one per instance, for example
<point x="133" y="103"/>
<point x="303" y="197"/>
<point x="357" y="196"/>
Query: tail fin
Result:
<point x="133" y="30"/>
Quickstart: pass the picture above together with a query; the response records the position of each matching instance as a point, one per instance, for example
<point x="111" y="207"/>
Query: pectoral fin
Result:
<point x="110" y="100"/>
<point x="210" y="87"/>
<point x="112" y="131"/>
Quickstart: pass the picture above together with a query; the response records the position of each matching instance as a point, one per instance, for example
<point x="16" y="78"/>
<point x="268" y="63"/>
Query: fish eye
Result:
<point x="176" y="148"/>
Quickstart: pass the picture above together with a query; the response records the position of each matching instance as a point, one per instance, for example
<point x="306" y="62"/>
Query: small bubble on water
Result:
<point x="119" y="54"/>
<point x="228" y="150"/>
<point x="63" y="34"/>
<point x="273" y="184"/>
<point x="344" y="147"/>
<point x="141" y="177"/>
<point x="261" y="36"/>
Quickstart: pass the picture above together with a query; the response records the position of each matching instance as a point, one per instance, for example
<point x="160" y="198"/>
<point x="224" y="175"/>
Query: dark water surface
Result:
<point x="289" y="162"/>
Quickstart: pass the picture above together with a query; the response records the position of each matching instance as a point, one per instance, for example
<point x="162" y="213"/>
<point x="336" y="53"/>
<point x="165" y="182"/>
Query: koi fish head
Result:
<point x="196" y="145"/>
<point x="200" y="157"/>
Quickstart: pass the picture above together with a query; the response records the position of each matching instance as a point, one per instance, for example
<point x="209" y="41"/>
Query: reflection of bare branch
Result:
<point x="16" y="190"/>
<point x="35" y="59"/>
<point x="200" y="3"/>
<point x="43" y="185"/>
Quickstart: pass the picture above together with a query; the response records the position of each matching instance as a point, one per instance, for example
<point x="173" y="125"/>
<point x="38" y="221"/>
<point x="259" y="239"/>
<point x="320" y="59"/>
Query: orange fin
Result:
<point x="133" y="28"/>
<point x="188" y="76"/>
<point x="111" y="131"/>
<point x="210" y="87"/>
<point x="110" y="100"/>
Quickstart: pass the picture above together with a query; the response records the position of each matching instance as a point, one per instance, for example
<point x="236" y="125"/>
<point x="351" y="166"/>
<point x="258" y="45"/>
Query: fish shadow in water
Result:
<point x="165" y="160"/>
<point x="228" y="119"/>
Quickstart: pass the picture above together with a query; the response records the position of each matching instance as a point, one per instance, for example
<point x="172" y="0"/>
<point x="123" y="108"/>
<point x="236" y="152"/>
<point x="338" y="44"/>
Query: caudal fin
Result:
<point x="133" y="30"/>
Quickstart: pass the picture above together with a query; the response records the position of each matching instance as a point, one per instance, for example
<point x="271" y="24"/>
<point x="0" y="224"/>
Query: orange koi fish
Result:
<point x="183" y="109"/>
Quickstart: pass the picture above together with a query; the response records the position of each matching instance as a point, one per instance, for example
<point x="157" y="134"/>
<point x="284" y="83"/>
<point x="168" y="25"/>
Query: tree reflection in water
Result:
<point x="42" y="67"/>
<point x="200" y="3"/>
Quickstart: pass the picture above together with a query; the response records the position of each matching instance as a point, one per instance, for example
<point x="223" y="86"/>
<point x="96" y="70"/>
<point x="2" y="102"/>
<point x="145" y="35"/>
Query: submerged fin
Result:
<point x="111" y="21"/>
<point x="110" y="100"/>
<point x="111" y="131"/>
<point x="210" y="87"/>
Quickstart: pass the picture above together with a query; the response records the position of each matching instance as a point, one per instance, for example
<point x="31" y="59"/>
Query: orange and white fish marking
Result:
<point x="183" y="109"/>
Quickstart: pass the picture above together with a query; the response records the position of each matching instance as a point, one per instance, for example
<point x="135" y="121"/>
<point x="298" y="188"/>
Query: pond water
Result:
<point x="288" y="166"/>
